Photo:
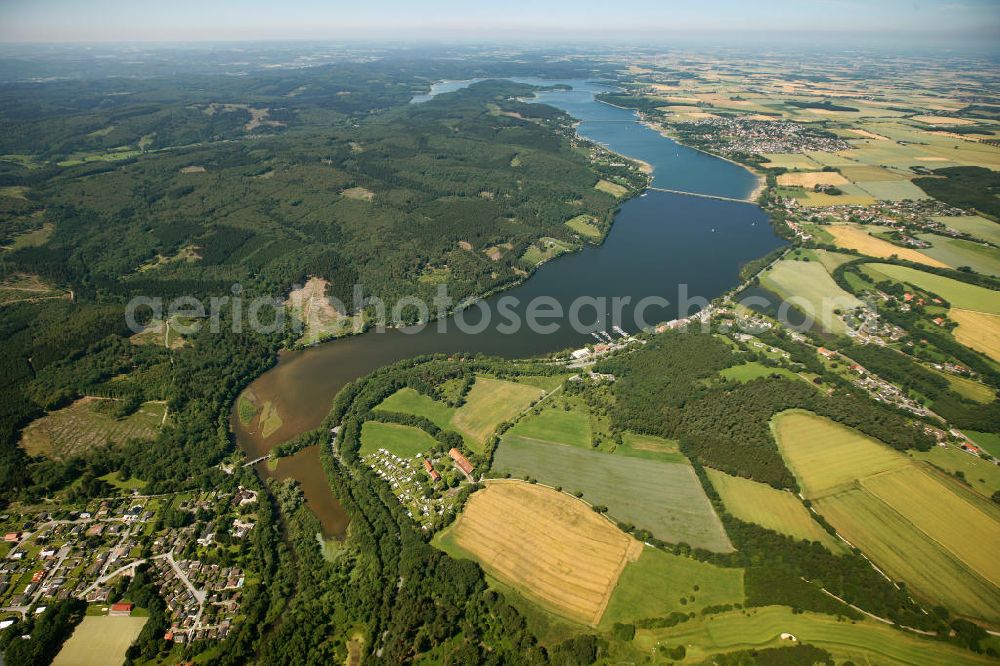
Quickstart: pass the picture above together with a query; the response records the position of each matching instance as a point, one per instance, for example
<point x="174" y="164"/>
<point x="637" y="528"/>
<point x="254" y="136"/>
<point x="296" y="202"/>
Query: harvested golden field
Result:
<point x="868" y="135"/>
<point x="548" y="545"/>
<point x="942" y="120"/>
<point x="978" y="330"/>
<point x="811" y="179"/>
<point x="854" y="238"/>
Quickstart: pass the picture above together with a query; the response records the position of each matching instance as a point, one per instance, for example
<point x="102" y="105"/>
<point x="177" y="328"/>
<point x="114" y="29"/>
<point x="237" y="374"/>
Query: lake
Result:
<point x="659" y="243"/>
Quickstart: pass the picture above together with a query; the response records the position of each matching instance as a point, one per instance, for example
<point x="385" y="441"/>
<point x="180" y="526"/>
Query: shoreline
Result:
<point x="644" y="166"/>
<point x="754" y="194"/>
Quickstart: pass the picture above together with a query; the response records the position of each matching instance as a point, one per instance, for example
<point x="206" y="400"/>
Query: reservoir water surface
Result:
<point x="658" y="242"/>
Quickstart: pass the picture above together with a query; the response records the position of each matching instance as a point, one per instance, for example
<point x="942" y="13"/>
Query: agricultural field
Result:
<point x="777" y="510"/>
<point x="401" y="440"/>
<point x="851" y="195"/>
<point x="863" y="642"/>
<point x="990" y="441"/>
<point x="982" y="476"/>
<point x="893" y="190"/>
<point x="826" y="456"/>
<point x="659" y="583"/>
<point x="549" y="546"/>
<point x="489" y="403"/>
<point x="571" y="427"/>
<point x="83" y="426"/>
<point x="978" y="330"/>
<point x="978" y="227"/>
<point x="584" y="225"/>
<point x="648" y="446"/>
<point x="614" y="189"/>
<point x="855" y="238"/>
<point x="790" y="161"/>
<point x="813" y="289"/>
<point x="956" y="252"/>
<point x="967" y="388"/>
<point x="410" y="401"/>
<point x="664" y="498"/>
<point x="958" y="294"/>
<point x="915" y="524"/>
<point x="753" y="370"/>
<point x="99" y="640"/>
<point x="810" y="179"/>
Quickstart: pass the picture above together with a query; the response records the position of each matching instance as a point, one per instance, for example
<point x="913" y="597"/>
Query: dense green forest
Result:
<point x="340" y="178"/>
<point x="973" y="188"/>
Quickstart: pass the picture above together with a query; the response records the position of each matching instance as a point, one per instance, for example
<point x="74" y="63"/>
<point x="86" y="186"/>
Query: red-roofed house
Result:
<point x="461" y="461"/>
<point x="121" y="608"/>
<point x="435" y="477"/>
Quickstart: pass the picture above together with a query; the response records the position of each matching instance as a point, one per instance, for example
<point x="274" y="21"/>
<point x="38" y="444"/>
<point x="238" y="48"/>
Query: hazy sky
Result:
<point x="195" y="20"/>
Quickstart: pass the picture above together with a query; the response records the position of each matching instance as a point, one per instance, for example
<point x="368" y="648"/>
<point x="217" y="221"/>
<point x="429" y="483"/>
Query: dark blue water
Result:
<point x="675" y="167"/>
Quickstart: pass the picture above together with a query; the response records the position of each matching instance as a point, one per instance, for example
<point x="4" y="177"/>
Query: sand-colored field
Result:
<point x="942" y="120"/>
<point x="548" y="545"/>
<point x="867" y="134"/>
<point x="978" y="330"/>
<point x="811" y="179"/>
<point x="99" y="640"/>
<point x="855" y="238"/>
<point x="193" y="169"/>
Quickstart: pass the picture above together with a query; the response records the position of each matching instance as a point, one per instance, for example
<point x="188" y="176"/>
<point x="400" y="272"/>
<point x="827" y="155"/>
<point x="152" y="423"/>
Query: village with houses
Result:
<point x="191" y="544"/>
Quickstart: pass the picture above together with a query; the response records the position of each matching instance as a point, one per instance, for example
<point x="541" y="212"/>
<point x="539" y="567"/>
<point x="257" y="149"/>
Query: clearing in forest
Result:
<point x="88" y="424"/>
<point x="778" y="510"/>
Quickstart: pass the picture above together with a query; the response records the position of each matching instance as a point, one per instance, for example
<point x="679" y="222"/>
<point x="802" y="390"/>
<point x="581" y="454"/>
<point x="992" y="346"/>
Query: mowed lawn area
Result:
<point x="83" y="426"/>
<point x="547" y="545"/>
<point x="662" y="497"/>
<point x="777" y="510"/>
<point x="660" y="583"/>
<point x="917" y="524"/>
<point x="401" y="440"/>
<point x="863" y="642"/>
<point x="489" y="403"/>
<point x="813" y="290"/>
<point x="409" y="401"/>
<point x="570" y="427"/>
<point x="99" y="640"/>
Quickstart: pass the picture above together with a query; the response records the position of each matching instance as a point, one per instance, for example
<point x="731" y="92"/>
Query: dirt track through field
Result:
<point x="548" y="545"/>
